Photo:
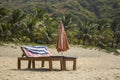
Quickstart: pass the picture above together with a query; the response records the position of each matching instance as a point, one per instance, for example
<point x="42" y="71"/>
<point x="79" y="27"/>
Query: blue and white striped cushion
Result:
<point x="37" y="49"/>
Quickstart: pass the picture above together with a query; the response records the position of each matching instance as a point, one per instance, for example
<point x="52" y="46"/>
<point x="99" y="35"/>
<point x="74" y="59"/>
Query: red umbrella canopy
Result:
<point x="62" y="41"/>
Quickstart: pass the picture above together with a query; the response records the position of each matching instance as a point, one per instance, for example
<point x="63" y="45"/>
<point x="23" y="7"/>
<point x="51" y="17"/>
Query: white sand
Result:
<point x="91" y="65"/>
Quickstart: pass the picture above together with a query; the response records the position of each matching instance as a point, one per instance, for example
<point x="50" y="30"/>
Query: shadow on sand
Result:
<point x="38" y="70"/>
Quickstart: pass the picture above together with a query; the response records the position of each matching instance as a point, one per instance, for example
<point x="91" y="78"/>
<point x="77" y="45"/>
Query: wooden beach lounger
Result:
<point x="31" y="60"/>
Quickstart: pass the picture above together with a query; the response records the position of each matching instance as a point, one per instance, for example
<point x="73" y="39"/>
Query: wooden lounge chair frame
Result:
<point x="31" y="61"/>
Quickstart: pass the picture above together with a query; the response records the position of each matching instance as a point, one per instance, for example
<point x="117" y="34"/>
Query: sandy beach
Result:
<point x="92" y="64"/>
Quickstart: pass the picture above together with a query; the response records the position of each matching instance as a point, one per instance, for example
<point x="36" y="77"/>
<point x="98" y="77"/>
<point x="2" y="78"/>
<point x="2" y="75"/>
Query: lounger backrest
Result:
<point x="35" y="51"/>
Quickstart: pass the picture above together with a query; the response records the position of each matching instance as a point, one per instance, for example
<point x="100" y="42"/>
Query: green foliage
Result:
<point x="87" y="22"/>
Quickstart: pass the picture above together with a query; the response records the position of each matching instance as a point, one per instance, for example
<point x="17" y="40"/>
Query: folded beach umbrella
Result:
<point x="62" y="41"/>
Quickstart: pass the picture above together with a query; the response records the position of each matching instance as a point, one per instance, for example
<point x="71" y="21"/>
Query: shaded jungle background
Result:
<point x="87" y="22"/>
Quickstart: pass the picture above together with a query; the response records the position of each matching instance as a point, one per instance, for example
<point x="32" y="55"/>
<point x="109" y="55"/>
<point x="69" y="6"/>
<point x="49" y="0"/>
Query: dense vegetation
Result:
<point x="87" y="22"/>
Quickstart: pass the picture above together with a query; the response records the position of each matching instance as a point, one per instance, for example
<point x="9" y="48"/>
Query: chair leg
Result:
<point x="42" y="64"/>
<point x="29" y="64"/>
<point x="50" y="65"/>
<point x="19" y="64"/>
<point x="64" y="64"/>
<point x="74" y="64"/>
<point x="33" y="64"/>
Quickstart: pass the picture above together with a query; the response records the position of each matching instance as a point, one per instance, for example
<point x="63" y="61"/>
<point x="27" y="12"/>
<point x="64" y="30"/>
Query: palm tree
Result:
<point x="16" y="22"/>
<point x="51" y="28"/>
<point x="86" y="31"/>
<point x="3" y="12"/>
<point x="66" y="19"/>
<point x="105" y="34"/>
<point x="17" y="16"/>
<point x="30" y="28"/>
<point x="5" y="33"/>
<point x="115" y="26"/>
<point x="117" y="37"/>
